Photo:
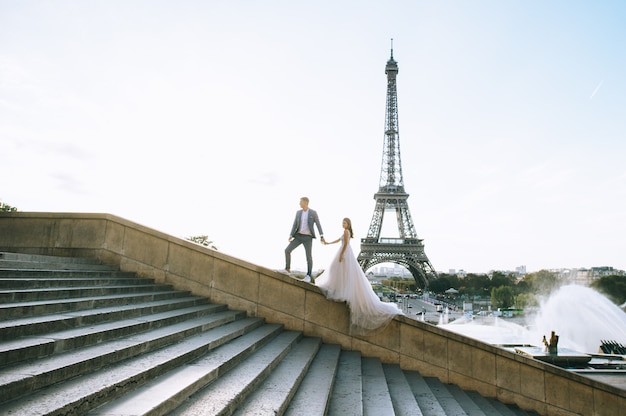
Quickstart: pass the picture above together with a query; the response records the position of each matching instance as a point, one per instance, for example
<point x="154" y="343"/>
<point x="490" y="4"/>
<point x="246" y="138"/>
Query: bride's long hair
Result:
<point x="349" y="226"/>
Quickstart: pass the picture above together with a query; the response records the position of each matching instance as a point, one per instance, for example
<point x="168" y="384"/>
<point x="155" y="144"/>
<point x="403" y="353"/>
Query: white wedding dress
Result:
<point x="345" y="281"/>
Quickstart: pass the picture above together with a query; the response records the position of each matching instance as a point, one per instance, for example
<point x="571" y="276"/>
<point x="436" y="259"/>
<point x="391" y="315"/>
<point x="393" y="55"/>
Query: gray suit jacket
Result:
<point x="313" y="220"/>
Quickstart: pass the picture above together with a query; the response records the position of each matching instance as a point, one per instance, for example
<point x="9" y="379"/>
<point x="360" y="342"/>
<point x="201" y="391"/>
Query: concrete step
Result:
<point x="167" y="392"/>
<point x="273" y="395"/>
<point x="39" y="258"/>
<point x="446" y="400"/>
<point x="21" y="349"/>
<point x="53" y="274"/>
<point x="227" y="393"/>
<point x="33" y="325"/>
<point x="20" y="261"/>
<point x="426" y="399"/>
<point x="34" y="308"/>
<point x="467" y="403"/>
<point x="313" y="395"/>
<point x="25" y="377"/>
<point x="23" y="283"/>
<point x="508" y="410"/>
<point x="347" y="395"/>
<point x="404" y="402"/>
<point x="31" y="295"/>
<point x="28" y="265"/>
<point x="75" y="342"/>
<point x="376" y="396"/>
<point x="489" y="407"/>
<point x="79" y="395"/>
<point x="483" y="404"/>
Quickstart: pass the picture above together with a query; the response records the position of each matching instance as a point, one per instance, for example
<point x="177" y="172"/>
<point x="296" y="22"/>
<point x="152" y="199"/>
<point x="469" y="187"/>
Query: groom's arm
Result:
<point x="316" y="221"/>
<point x="294" y="227"/>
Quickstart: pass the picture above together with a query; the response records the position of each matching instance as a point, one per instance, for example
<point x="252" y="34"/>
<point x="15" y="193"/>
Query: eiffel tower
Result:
<point x="407" y="250"/>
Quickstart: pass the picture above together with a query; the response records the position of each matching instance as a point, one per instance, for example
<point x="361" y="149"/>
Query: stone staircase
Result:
<point x="82" y="338"/>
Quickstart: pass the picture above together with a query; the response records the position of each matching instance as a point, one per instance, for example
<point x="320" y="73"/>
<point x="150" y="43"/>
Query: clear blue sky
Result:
<point x="214" y="117"/>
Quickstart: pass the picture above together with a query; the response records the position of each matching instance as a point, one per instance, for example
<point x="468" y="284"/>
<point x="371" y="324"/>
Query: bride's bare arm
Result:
<point x="346" y="238"/>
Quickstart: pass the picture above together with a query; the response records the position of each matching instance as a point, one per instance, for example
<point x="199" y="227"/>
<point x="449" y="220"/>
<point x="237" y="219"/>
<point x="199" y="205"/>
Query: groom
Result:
<point x="302" y="232"/>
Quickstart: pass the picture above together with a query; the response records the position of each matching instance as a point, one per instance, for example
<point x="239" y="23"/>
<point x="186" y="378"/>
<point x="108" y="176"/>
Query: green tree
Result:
<point x="502" y="297"/>
<point x="542" y="282"/>
<point x="524" y="300"/>
<point x="203" y="240"/>
<point x="447" y="281"/>
<point x="440" y="285"/>
<point x="613" y="287"/>
<point x="500" y="279"/>
<point x="477" y="284"/>
<point x="6" y="208"/>
<point x="523" y="286"/>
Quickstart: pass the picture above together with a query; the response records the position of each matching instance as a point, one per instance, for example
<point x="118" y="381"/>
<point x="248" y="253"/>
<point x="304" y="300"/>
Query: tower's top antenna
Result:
<point x="392" y="66"/>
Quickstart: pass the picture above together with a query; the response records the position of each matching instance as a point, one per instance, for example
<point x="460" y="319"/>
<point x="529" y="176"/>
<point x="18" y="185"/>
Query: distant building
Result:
<point x="582" y="276"/>
<point x="585" y="276"/>
<point x="392" y="270"/>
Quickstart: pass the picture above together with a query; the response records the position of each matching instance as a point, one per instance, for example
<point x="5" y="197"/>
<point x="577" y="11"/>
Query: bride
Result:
<point x="345" y="281"/>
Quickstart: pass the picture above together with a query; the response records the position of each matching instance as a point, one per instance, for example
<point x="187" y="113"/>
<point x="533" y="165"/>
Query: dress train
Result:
<point x="345" y="281"/>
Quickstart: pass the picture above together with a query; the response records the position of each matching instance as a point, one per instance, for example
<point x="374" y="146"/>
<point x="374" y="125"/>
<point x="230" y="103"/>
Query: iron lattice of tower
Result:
<point x="407" y="250"/>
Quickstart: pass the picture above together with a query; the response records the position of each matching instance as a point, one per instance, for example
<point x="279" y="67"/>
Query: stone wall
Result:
<point x="259" y="291"/>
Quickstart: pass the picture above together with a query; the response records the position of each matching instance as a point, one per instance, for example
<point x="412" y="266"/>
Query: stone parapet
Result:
<point x="413" y="345"/>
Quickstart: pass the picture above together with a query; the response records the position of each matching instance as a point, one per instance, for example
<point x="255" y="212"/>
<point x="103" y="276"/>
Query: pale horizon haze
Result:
<point x="215" y="117"/>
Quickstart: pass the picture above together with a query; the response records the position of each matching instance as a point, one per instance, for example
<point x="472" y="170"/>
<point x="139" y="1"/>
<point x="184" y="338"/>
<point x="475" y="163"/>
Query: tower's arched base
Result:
<point x="406" y="252"/>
